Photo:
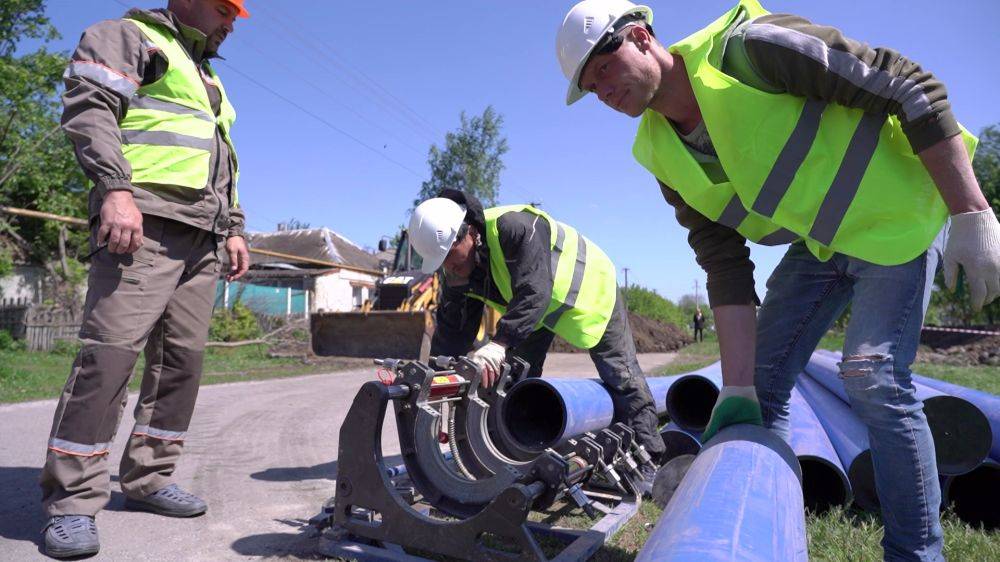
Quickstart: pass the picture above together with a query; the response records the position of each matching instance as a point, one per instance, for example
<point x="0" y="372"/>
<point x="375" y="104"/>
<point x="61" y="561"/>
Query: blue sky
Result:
<point x="393" y="76"/>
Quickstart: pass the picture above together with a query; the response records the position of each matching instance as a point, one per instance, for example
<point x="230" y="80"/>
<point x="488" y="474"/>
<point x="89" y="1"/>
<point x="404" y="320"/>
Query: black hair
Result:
<point x="473" y="208"/>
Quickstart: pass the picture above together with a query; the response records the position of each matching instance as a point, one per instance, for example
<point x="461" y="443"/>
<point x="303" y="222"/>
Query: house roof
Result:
<point x="312" y="243"/>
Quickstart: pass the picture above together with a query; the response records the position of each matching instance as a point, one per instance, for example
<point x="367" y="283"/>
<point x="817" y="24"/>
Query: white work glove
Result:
<point x="974" y="244"/>
<point x="489" y="358"/>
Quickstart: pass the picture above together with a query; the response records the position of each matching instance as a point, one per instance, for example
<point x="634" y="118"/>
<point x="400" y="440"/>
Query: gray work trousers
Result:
<point x="616" y="362"/>
<point x="160" y="298"/>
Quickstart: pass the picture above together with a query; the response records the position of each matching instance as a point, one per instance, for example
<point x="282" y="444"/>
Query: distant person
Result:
<point x="151" y="123"/>
<point x="546" y="279"/>
<point x="699" y="325"/>
<point x="770" y="128"/>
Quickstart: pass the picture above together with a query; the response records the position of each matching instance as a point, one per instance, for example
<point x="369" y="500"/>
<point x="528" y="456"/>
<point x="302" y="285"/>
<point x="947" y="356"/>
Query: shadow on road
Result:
<point x="327" y="470"/>
<point x="299" y="544"/>
<point x="21" y="517"/>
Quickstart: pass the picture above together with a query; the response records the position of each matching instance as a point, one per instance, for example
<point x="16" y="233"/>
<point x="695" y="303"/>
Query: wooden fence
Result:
<point x="41" y="326"/>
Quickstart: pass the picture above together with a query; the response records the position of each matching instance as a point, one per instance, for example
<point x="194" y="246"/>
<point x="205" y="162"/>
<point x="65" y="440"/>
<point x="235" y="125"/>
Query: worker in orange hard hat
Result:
<point x="150" y="122"/>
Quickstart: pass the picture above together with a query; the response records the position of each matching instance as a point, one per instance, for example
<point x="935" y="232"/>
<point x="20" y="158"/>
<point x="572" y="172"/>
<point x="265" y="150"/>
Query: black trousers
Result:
<point x="616" y="362"/>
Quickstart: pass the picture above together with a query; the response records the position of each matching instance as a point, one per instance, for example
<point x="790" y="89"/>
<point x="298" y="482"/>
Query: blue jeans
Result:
<point x="804" y="297"/>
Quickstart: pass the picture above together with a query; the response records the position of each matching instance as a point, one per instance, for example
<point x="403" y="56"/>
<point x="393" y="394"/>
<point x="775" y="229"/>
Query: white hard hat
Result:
<point x="433" y="229"/>
<point x="584" y="26"/>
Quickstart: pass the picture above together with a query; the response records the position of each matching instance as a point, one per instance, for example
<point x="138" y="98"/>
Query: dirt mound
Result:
<point x="651" y="336"/>
<point x="961" y="348"/>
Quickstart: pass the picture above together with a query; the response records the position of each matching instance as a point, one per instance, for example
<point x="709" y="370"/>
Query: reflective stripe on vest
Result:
<point x="169" y="130"/>
<point x="842" y="180"/>
<point x="584" y="287"/>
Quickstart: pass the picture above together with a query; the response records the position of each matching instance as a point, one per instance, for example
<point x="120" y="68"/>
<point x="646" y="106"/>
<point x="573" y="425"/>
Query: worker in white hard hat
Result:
<point x="770" y="128"/>
<point x="545" y="278"/>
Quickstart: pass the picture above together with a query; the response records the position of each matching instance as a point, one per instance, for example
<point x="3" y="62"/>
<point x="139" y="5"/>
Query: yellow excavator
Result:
<point x="397" y="322"/>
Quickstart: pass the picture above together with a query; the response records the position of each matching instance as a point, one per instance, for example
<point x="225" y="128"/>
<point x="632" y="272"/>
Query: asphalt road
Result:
<point x="262" y="454"/>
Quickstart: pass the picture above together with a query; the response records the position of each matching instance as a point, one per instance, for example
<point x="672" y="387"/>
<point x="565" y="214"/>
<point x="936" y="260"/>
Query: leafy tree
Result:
<point x="471" y="159"/>
<point x="951" y="307"/>
<point x="37" y="167"/>
<point x="649" y="303"/>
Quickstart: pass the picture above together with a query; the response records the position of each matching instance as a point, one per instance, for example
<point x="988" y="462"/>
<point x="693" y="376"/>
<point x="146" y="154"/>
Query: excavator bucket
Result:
<point x="375" y="334"/>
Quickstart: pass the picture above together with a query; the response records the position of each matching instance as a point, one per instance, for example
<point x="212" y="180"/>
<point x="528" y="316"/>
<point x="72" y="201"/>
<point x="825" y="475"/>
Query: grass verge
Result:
<point x="26" y="375"/>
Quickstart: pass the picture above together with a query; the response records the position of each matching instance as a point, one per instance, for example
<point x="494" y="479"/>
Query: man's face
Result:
<point x="214" y="18"/>
<point x="461" y="260"/>
<point x="626" y="79"/>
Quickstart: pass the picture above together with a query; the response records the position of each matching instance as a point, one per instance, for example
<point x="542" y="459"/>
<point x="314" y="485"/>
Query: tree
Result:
<point x="947" y="306"/>
<point x="37" y="166"/>
<point x="470" y="161"/>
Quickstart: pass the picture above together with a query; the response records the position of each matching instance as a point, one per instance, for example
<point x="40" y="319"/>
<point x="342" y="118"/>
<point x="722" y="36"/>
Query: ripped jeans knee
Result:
<point x="862" y="365"/>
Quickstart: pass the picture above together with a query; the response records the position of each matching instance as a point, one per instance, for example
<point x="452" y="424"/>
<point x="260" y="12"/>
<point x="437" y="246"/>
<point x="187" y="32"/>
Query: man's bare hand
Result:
<point x="121" y="223"/>
<point x="239" y="257"/>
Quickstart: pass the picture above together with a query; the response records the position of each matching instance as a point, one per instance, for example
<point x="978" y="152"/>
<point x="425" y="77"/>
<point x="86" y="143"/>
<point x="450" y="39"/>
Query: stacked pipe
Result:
<point x="965" y="424"/>
<point x="831" y="443"/>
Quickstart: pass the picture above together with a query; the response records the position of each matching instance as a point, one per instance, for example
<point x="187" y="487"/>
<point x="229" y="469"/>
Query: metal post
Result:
<point x="225" y="295"/>
<point x="288" y="302"/>
<point x="305" y="293"/>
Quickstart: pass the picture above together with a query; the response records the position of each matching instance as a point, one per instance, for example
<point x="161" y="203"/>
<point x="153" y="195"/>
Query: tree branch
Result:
<point x="13" y="165"/>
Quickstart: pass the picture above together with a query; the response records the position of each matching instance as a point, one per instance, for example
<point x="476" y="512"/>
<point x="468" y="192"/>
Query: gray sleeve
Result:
<point x="237" y="221"/>
<point x="104" y="72"/>
<point x="819" y="62"/>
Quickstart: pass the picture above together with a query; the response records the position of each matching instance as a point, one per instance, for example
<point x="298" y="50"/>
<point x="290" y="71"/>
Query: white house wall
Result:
<point x="334" y="292"/>
<point x="25" y="282"/>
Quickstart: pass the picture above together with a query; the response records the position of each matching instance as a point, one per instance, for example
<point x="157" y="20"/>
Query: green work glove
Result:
<point x="736" y="405"/>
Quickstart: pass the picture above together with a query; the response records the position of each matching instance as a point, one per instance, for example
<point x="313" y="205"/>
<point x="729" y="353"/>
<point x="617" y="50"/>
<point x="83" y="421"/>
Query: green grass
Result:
<point x="26" y="375"/>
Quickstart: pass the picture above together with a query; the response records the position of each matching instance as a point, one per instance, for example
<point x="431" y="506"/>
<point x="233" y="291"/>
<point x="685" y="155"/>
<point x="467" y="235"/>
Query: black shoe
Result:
<point x="71" y="535"/>
<point x="170" y="501"/>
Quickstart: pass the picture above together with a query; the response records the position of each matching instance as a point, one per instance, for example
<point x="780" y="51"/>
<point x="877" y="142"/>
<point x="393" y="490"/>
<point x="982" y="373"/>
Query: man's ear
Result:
<point x="641" y="37"/>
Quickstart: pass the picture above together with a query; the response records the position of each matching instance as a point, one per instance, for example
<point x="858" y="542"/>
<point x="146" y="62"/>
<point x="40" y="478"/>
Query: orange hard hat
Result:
<point x="238" y="4"/>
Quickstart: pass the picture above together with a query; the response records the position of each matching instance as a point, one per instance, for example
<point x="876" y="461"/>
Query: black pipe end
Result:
<point x="976" y="495"/>
<point x="669" y="477"/>
<point x="690" y="401"/>
<point x="962" y="434"/>
<point x="534" y="415"/>
<point x="824" y="485"/>
<point x="861" y="473"/>
<point x="678" y="443"/>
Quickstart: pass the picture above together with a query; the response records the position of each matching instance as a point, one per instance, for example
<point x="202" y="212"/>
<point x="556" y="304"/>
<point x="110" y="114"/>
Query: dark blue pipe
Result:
<point x="975" y="495"/>
<point x="740" y="500"/>
<point x="824" y="482"/>
<point x="544" y="412"/>
<point x="962" y="435"/>
<point x="988" y="404"/>
<point x="849" y="438"/>
<point x="678" y="442"/>
<point x="692" y="396"/>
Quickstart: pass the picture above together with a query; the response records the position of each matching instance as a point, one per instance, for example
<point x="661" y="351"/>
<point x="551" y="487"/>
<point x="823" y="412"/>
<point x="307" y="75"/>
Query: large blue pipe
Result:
<point x="740" y="500"/>
<point x="539" y="413"/>
<point x="988" y="404"/>
<point x="692" y="396"/>
<point x="975" y="495"/>
<point x="962" y="435"/>
<point x="824" y="482"/>
<point x="678" y="442"/>
<point x="849" y="438"/>
<point x="544" y="412"/>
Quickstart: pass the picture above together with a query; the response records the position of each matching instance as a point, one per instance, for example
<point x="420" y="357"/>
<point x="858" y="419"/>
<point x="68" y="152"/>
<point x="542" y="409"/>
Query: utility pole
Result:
<point x="697" y="302"/>
<point x="625" y="293"/>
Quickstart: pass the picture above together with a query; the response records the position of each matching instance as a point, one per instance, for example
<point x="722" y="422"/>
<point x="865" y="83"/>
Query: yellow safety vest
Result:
<point x="168" y="131"/>
<point x="841" y="179"/>
<point x="584" y="287"/>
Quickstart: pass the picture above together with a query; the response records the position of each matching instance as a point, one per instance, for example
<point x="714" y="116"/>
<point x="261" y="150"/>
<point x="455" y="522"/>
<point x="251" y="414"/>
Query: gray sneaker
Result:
<point x="170" y="501"/>
<point x="71" y="535"/>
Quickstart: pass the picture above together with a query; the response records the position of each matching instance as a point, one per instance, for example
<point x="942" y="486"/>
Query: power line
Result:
<point x="318" y="118"/>
<point x="328" y="96"/>
<point x="402" y="111"/>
